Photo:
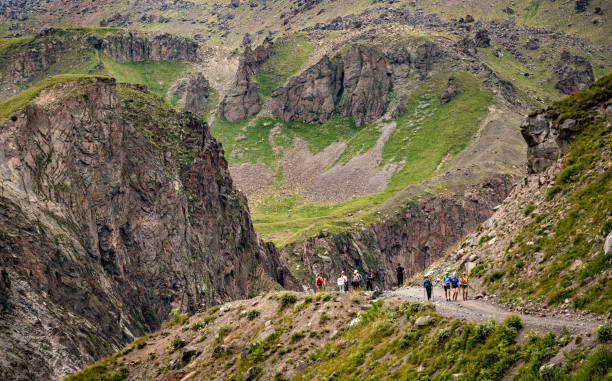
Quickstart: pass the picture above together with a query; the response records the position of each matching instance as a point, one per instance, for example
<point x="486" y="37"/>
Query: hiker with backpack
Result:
<point x="400" y="274"/>
<point x="447" y="286"/>
<point x="369" y="280"/>
<point x="355" y="281"/>
<point x="428" y="286"/>
<point x="320" y="283"/>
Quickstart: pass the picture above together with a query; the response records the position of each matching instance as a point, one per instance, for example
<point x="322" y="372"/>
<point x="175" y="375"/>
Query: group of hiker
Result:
<point x="356" y="280"/>
<point x="450" y="283"/>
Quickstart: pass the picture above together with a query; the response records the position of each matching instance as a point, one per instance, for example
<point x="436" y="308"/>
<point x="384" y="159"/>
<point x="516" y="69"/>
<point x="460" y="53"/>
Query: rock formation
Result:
<point x="243" y="101"/>
<point x="450" y="92"/>
<point x="114" y="209"/>
<point x="134" y="47"/>
<point x="574" y="73"/>
<point x="193" y="93"/>
<point x="417" y="237"/>
<point x="356" y="84"/>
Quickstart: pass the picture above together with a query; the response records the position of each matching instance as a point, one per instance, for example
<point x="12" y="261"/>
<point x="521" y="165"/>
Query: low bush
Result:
<point x="252" y="313"/>
<point x="288" y="299"/>
<point x="604" y="332"/>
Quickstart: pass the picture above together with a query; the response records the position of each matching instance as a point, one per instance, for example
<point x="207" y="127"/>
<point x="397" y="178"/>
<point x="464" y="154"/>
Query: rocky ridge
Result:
<point x="115" y="210"/>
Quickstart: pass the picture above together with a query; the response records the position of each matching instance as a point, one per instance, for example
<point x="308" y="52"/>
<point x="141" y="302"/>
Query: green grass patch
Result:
<point x="6" y="43"/>
<point x="287" y="58"/>
<point x="156" y="75"/>
<point x="18" y="101"/>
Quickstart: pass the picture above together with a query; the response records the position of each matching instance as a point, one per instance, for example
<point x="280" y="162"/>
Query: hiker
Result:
<point x="447" y="285"/>
<point x="427" y="285"/>
<point x="400" y="275"/>
<point x="369" y="280"/>
<point x="464" y="285"/>
<point x="341" y="282"/>
<point x="455" y="285"/>
<point x="355" y="281"/>
<point x="320" y="283"/>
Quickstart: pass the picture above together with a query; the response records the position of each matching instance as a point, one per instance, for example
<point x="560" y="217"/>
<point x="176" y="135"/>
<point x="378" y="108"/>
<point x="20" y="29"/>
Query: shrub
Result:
<point x="444" y="334"/>
<point x="496" y="276"/>
<point x="481" y="332"/>
<point x="604" y="332"/>
<point x="327" y="297"/>
<point x="529" y="209"/>
<point x="176" y="343"/>
<point x="552" y="191"/>
<point x="514" y="322"/>
<point x="288" y="298"/>
<point x="252" y="313"/>
<point x="297" y="336"/>
<point x="569" y="172"/>
<point x="297" y="307"/>
<point x="224" y="330"/>
<point x="323" y="318"/>
<point x="176" y="317"/>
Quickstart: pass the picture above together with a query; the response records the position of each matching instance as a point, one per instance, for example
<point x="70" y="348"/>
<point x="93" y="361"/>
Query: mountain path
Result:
<point x="479" y="309"/>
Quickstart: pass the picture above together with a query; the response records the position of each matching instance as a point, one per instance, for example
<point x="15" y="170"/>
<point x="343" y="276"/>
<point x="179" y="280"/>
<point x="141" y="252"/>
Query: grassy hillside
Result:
<point x="339" y="336"/>
<point x="427" y="134"/>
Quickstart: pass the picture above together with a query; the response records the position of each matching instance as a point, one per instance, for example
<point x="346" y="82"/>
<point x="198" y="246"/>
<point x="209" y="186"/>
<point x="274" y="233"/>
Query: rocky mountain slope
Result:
<point x="287" y="336"/>
<point x="115" y="209"/>
<point x="548" y="245"/>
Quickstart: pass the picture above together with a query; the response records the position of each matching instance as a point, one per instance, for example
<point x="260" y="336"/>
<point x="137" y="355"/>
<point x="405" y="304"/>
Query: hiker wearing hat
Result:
<point x="463" y="282"/>
<point x="355" y="281"/>
<point x="427" y="284"/>
<point x="446" y="282"/>
<point x="342" y="281"/>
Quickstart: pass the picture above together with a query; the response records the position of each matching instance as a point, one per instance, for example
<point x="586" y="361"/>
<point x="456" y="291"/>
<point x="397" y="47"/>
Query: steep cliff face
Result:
<point x="243" y="101"/>
<point x="574" y="73"/>
<point x="115" y="209"/>
<point x="416" y="237"/>
<point x="356" y="84"/>
<point x="60" y="50"/>
<point x="134" y="47"/>
<point x="193" y="93"/>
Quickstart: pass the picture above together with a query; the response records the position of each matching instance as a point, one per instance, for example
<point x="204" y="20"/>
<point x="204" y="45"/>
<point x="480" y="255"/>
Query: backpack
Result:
<point x="356" y="279"/>
<point x="427" y="283"/>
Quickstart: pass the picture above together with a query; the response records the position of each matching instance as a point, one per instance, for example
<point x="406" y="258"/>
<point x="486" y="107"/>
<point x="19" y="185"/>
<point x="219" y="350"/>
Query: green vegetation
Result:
<point x="443" y="348"/>
<point x="18" y="101"/>
<point x="577" y="264"/>
<point x="604" y="332"/>
<point x="6" y="43"/>
<point x="288" y="298"/>
<point x="176" y="317"/>
<point x="252" y="313"/>
<point x="287" y="58"/>
<point x="427" y="134"/>
<point x="157" y="76"/>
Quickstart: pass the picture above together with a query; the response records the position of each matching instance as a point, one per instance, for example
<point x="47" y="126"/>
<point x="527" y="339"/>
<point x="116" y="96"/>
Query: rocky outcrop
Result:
<point x="243" y="101"/>
<point x="482" y="39"/>
<point x="574" y="73"/>
<point x="193" y="93"/>
<point x="416" y="237"/>
<point x="356" y="85"/>
<point x="135" y="47"/>
<point x="114" y="209"/>
<point x="450" y="92"/>
<point x="548" y="138"/>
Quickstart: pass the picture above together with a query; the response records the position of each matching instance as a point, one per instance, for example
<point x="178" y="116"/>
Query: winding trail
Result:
<point x="479" y="309"/>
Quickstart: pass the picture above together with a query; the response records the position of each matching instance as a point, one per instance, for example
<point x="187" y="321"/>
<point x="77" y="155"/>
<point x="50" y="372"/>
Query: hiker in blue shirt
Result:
<point x="446" y="280"/>
<point x="455" y="286"/>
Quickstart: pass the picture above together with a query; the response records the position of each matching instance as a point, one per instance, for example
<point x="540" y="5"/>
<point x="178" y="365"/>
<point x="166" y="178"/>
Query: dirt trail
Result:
<point x="478" y="310"/>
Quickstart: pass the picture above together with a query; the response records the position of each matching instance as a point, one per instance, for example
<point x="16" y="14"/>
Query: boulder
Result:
<point x="251" y="373"/>
<point x="608" y="244"/>
<point x="423" y="320"/>
<point x="574" y="73"/>
<point x="450" y="92"/>
<point x="482" y="39"/>
<point x="189" y="353"/>
<point x="532" y="44"/>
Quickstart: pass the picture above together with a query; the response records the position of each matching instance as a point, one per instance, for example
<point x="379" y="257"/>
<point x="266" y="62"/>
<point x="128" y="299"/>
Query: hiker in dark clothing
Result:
<point x="369" y="280"/>
<point x="428" y="286"/>
<point x="400" y="275"/>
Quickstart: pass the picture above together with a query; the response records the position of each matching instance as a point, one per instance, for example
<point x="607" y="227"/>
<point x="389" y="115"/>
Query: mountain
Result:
<point x="116" y="209"/>
<point x="362" y="133"/>
<point x="280" y="336"/>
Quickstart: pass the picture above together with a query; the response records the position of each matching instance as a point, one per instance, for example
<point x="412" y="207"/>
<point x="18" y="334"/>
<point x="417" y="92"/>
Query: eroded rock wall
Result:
<point x="114" y="209"/>
<point x="416" y="237"/>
